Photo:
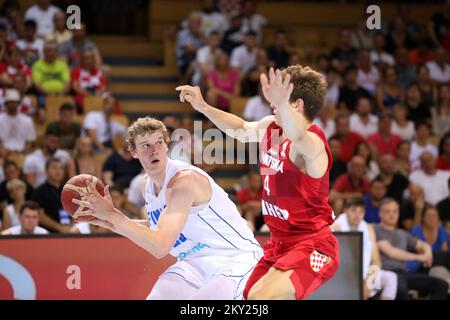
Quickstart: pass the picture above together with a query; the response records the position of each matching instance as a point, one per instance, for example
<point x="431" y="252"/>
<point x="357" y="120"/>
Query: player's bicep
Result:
<point x="312" y="150"/>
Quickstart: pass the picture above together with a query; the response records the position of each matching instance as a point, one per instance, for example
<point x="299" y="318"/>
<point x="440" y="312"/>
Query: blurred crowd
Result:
<point x="386" y="116"/>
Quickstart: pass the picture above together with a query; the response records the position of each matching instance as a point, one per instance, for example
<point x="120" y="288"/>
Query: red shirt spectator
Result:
<point x="385" y="146"/>
<point x="415" y="57"/>
<point x="442" y="163"/>
<point x="246" y="195"/>
<point x="90" y="80"/>
<point x="348" y="145"/>
<point x="344" y="184"/>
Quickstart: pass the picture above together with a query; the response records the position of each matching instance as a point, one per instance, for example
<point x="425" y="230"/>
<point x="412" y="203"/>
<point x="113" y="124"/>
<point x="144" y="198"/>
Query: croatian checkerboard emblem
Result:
<point x="317" y="261"/>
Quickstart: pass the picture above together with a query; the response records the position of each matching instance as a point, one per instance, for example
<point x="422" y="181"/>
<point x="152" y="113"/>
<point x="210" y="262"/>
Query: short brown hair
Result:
<point x="143" y="126"/>
<point x="310" y="86"/>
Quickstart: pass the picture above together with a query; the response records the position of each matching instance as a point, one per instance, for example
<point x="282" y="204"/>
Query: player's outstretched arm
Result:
<point x="305" y="145"/>
<point x="180" y="197"/>
<point x="229" y="123"/>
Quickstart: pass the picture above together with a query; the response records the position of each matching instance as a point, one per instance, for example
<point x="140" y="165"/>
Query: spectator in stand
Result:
<point x="344" y="54"/>
<point x="372" y="200"/>
<point x="384" y="142"/>
<point x="11" y="18"/>
<point x="421" y="55"/>
<point x="362" y="121"/>
<point x="204" y="60"/>
<point x="440" y="114"/>
<point x="398" y="247"/>
<point x="367" y="76"/>
<point x="333" y="90"/>
<point x="42" y="12"/>
<point x="16" y="189"/>
<point x="31" y="46"/>
<point x="401" y="126"/>
<point x="121" y="167"/>
<point x="257" y="108"/>
<point x="353" y="183"/>
<point x="71" y="51"/>
<point x="48" y="195"/>
<point x="439" y="27"/>
<point x="189" y="40"/>
<point x="212" y="20"/>
<point x="363" y="150"/>
<point x="351" y="91"/>
<point x="443" y="161"/>
<point x="120" y="201"/>
<point x="432" y="180"/>
<point x="352" y="220"/>
<point x="325" y="121"/>
<point x="402" y="162"/>
<point x="443" y="207"/>
<point x="251" y="20"/>
<point x="388" y="94"/>
<point x="14" y="66"/>
<point x="65" y="127"/>
<point x="417" y="110"/>
<point x="87" y="79"/>
<point x="29" y="221"/>
<point x="439" y="67"/>
<point x="28" y="103"/>
<point x="430" y="230"/>
<point x="250" y="80"/>
<point x="243" y="57"/>
<point x="404" y="12"/>
<point x="278" y="53"/>
<point x="222" y="83"/>
<point x="100" y="126"/>
<point x="61" y="34"/>
<point x="421" y="144"/>
<point x="428" y="92"/>
<point x="249" y="200"/>
<point x="405" y="70"/>
<point x="135" y="199"/>
<point x="233" y="36"/>
<point x="378" y="55"/>
<point x="12" y="172"/>
<point x="84" y="159"/>
<point x="17" y="132"/>
<point x="349" y="140"/>
<point x="51" y="76"/>
<point x="338" y="167"/>
<point x="398" y="37"/>
<point x="34" y="163"/>
<point x="396" y="184"/>
<point x="412" y="207"/>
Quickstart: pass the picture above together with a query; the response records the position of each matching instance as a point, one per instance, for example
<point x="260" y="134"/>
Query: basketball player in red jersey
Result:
<point x="302" y="252"/>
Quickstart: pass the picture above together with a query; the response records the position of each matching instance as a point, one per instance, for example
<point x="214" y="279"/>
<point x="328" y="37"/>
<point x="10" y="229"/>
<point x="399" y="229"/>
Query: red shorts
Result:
<point x="313" y="258"/>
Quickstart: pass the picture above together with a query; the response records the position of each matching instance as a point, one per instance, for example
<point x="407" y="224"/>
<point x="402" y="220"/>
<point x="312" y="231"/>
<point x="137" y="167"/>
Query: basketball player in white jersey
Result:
<point x="189" y="216"/>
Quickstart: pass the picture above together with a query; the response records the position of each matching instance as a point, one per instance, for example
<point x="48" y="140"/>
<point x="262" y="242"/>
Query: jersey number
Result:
<point x="266" y="185"/>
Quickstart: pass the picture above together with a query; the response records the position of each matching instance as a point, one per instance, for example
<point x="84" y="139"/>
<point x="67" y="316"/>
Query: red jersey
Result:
<point x="292" y="202"/>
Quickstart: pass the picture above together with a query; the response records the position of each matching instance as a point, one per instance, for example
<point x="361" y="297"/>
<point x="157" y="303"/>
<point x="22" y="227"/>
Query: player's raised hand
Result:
<point x="276" y="90"/>
<point x="193" y="95"/>
<point x="99" y="206"/>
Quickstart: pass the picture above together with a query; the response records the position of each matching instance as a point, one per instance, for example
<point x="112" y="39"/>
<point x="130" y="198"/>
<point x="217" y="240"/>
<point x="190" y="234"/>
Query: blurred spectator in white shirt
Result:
<point x="29" y="221"/>
<point x="256" y="108"/>
<point x="42" y="12"/>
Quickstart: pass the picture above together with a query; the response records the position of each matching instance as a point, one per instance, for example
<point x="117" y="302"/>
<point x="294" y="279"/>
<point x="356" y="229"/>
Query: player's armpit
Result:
<point x="254" y="131"/>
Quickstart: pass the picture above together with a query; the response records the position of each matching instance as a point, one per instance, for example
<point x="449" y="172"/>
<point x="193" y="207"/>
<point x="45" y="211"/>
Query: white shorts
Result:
<point x="200" y="270"/>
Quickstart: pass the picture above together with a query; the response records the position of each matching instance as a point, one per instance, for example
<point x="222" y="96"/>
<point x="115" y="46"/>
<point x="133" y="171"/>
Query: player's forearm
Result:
<point x="293" y="123"/>
<point x="143" y="236"/>
<point x="225" y="121"/>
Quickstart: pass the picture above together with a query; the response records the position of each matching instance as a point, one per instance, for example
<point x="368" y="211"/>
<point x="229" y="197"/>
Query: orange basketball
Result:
<point x="72" y="189"/>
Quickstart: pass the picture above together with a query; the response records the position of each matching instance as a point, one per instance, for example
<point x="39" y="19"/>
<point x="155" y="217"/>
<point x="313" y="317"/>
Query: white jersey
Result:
<point x="215" y="237"/>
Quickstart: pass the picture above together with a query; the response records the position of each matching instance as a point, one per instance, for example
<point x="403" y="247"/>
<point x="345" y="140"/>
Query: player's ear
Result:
<point x="299" y="105"/>
<point x="133" y="153"/>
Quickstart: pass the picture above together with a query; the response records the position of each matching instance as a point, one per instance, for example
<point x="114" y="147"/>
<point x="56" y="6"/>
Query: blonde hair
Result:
<point x="310" y="86"/>
<point x="143" y="126"/>
<point x="11" y="184"/>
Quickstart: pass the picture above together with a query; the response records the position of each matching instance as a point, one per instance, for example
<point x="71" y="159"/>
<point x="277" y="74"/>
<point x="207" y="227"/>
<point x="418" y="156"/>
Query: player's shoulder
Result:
<point x="187" y="178"/>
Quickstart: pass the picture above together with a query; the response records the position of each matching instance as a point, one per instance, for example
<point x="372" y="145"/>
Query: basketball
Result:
<point x="72" y="189"/>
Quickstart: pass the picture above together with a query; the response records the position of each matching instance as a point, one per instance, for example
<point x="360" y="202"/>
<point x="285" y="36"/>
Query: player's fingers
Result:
<point x="106" y="191"/>
<point x="278" y="78"/>
<point x="85" y="204"/>
<point x="290" y="89"/>
<point x="181" y="88"/>
<point x="287" y="80"/>
<point x="271" y="75"/>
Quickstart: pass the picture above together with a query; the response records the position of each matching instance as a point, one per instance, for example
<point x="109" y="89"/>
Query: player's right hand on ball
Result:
<point x="193" y="95"/>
